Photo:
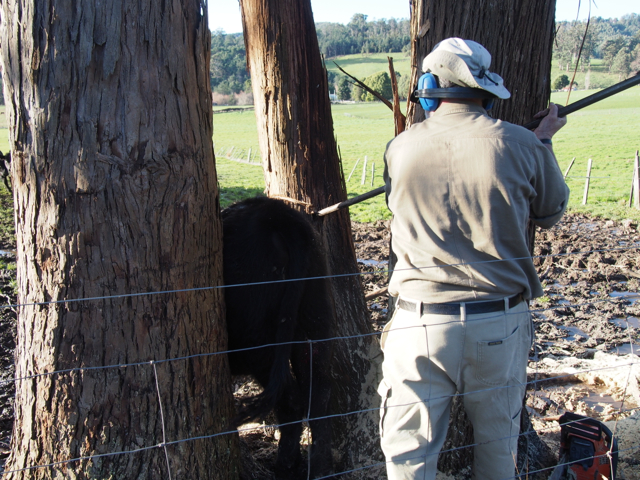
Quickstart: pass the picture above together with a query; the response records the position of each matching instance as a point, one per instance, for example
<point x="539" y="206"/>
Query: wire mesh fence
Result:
<point x="631" y="364"/>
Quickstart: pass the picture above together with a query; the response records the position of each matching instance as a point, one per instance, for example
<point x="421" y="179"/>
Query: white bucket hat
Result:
<point x="465" y="63"/>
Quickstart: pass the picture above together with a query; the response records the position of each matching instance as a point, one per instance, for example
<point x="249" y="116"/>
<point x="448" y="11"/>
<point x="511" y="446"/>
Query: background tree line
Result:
<point x="614" y="44"/>
<point x="362" y="36"/>
<point x="230" y="78"/>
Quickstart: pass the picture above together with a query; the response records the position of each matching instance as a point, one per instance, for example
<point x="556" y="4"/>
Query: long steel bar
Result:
<point x="562" y="112"/>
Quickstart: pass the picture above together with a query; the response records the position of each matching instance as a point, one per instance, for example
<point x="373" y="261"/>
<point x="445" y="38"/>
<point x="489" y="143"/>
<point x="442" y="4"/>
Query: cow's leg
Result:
<point x="289" y="415"/>
<point x="315" y="384"/>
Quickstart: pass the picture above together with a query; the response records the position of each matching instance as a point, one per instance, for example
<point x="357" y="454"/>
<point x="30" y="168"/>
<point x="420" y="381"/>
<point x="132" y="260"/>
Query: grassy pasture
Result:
<point x="606" y="132"/>
<point x="4" y="133"/>
<point x="599" y="76"/>
<point x="363" y="65"/>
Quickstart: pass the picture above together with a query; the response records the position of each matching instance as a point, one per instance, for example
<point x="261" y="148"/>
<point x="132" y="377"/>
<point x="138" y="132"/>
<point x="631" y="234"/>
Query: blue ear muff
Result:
<point x="428" y="81"/>
<point x="429" y="93"/>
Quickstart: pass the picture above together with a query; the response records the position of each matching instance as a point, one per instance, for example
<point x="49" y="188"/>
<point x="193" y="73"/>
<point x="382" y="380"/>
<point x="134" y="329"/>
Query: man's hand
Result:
<point x="550" y="122"/>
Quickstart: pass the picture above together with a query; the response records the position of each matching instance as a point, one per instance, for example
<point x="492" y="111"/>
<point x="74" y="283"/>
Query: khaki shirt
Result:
<point x="462" y="187"/>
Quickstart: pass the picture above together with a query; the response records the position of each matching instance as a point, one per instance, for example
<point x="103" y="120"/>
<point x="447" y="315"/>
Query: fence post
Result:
<point x="586" y="184"/>
<point x="364" y="171"/>
<point x="569" y="167"/>
<point x="636" y="181"/>
<point x="249" y="155"/>
<point x="353" y="169"/>
<point x="230" y="152"/>
<point x="373" y="172"/>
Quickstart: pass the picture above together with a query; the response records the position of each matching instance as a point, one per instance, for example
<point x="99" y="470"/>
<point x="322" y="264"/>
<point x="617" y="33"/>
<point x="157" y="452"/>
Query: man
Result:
<point x="462" y="187"/>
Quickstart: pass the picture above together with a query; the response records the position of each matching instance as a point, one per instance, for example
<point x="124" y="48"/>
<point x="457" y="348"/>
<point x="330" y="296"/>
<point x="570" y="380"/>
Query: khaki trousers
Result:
<point x="429" y="358"/>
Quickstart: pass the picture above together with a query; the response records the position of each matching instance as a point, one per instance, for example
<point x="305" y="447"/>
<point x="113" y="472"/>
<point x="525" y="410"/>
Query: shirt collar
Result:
<point x="450" y="108"/>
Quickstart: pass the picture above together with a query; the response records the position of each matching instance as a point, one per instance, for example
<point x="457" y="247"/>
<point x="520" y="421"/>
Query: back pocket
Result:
<point x="496" y="359"/>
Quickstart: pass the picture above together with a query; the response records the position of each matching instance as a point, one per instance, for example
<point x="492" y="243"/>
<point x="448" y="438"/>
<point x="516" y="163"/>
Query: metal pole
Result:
<point x="585" y="102"/>
<point x="590" y="100"/>
<point x="353" y="201"/>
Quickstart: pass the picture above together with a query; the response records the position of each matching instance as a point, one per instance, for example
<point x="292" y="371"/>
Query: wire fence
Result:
<point x="250" y="155"/>
<point x="631" y="362"/>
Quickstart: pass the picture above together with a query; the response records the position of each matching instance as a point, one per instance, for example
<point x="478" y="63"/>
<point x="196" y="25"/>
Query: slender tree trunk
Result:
<point x="519" y="34"/>
<point x="301" y="165"/>
<point x="115" y="193"/>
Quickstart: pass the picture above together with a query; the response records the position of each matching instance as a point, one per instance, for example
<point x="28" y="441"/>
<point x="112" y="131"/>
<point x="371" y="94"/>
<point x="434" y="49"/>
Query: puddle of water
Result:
<point x="632" y="322"/>
<point x="630" y="296"/>
<point x="625" y="349"/>
<point x="563" y="285"/>
<point x="377" y="306"/>
<point x="573" y="333"/>
<point x="588" y="225"/>
<point x="596" y="398"/>
<point x="373" y="263"/>
<point x="598" y="402"/>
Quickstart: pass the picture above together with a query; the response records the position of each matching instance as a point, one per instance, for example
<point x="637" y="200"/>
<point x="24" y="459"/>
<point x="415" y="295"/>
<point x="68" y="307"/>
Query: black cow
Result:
<point x="267" y="241"/>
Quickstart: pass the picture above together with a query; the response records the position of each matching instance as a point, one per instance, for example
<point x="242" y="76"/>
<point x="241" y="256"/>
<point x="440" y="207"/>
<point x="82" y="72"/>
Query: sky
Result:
<point x="225" y="14"/>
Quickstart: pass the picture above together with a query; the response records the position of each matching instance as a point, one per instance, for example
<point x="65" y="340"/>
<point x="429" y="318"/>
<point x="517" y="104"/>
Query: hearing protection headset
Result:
<point x="429" y="93"/>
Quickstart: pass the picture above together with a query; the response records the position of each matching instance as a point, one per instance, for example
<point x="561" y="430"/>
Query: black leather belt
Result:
<point x="471" y="308"/>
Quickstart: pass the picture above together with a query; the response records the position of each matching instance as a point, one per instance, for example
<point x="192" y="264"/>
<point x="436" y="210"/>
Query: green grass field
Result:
<point x="606" y="132"/>
<point x="363" y="65"/>
<point x="599" y="76"/>
<point x="4" y="133"/>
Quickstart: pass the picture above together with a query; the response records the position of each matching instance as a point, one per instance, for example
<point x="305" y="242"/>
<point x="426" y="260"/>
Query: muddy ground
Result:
<point x="587" y="325"/>
<point x="586" y="328"/>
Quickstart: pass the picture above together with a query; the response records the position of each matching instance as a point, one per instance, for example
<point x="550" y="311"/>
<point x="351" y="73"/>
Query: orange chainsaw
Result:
<point x="587" y="448"/>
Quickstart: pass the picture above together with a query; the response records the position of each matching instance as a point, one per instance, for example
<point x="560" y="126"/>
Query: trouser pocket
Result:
<point x="386" y="329"/>
<point x="496" y="359"/>
<point x="384" y="391"/>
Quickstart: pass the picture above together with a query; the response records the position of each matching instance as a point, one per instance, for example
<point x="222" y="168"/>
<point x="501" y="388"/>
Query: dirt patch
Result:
<point x="586" y="328"/>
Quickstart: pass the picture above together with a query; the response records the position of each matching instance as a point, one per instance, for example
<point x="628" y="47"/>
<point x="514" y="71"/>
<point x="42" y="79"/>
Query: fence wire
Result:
<point x="166" y="443"/>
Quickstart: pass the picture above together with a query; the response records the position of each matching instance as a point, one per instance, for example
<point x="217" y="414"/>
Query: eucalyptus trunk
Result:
<point x="116" y="200"/>
<point x="302" y="166"/>
<point x="519" y="35"/>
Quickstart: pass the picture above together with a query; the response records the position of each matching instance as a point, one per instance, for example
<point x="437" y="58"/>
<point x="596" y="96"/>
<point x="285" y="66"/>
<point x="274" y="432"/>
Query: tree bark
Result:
<point x="301" y="165"/>
<point x="115" y="193"/>
<point x="519" y="35"/>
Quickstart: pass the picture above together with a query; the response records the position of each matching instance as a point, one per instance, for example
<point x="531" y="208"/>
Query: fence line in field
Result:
<point x="166" y="443"/>
<point x="635" y="181"/>
<point x="252" y="156"/>
<point x="249" y="155"/>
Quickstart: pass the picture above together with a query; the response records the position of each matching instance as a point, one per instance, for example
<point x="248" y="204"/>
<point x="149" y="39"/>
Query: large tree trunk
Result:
<point x="301" y="165"/>
<point x="115" y="195"/>
<point x="519" y="34"/>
